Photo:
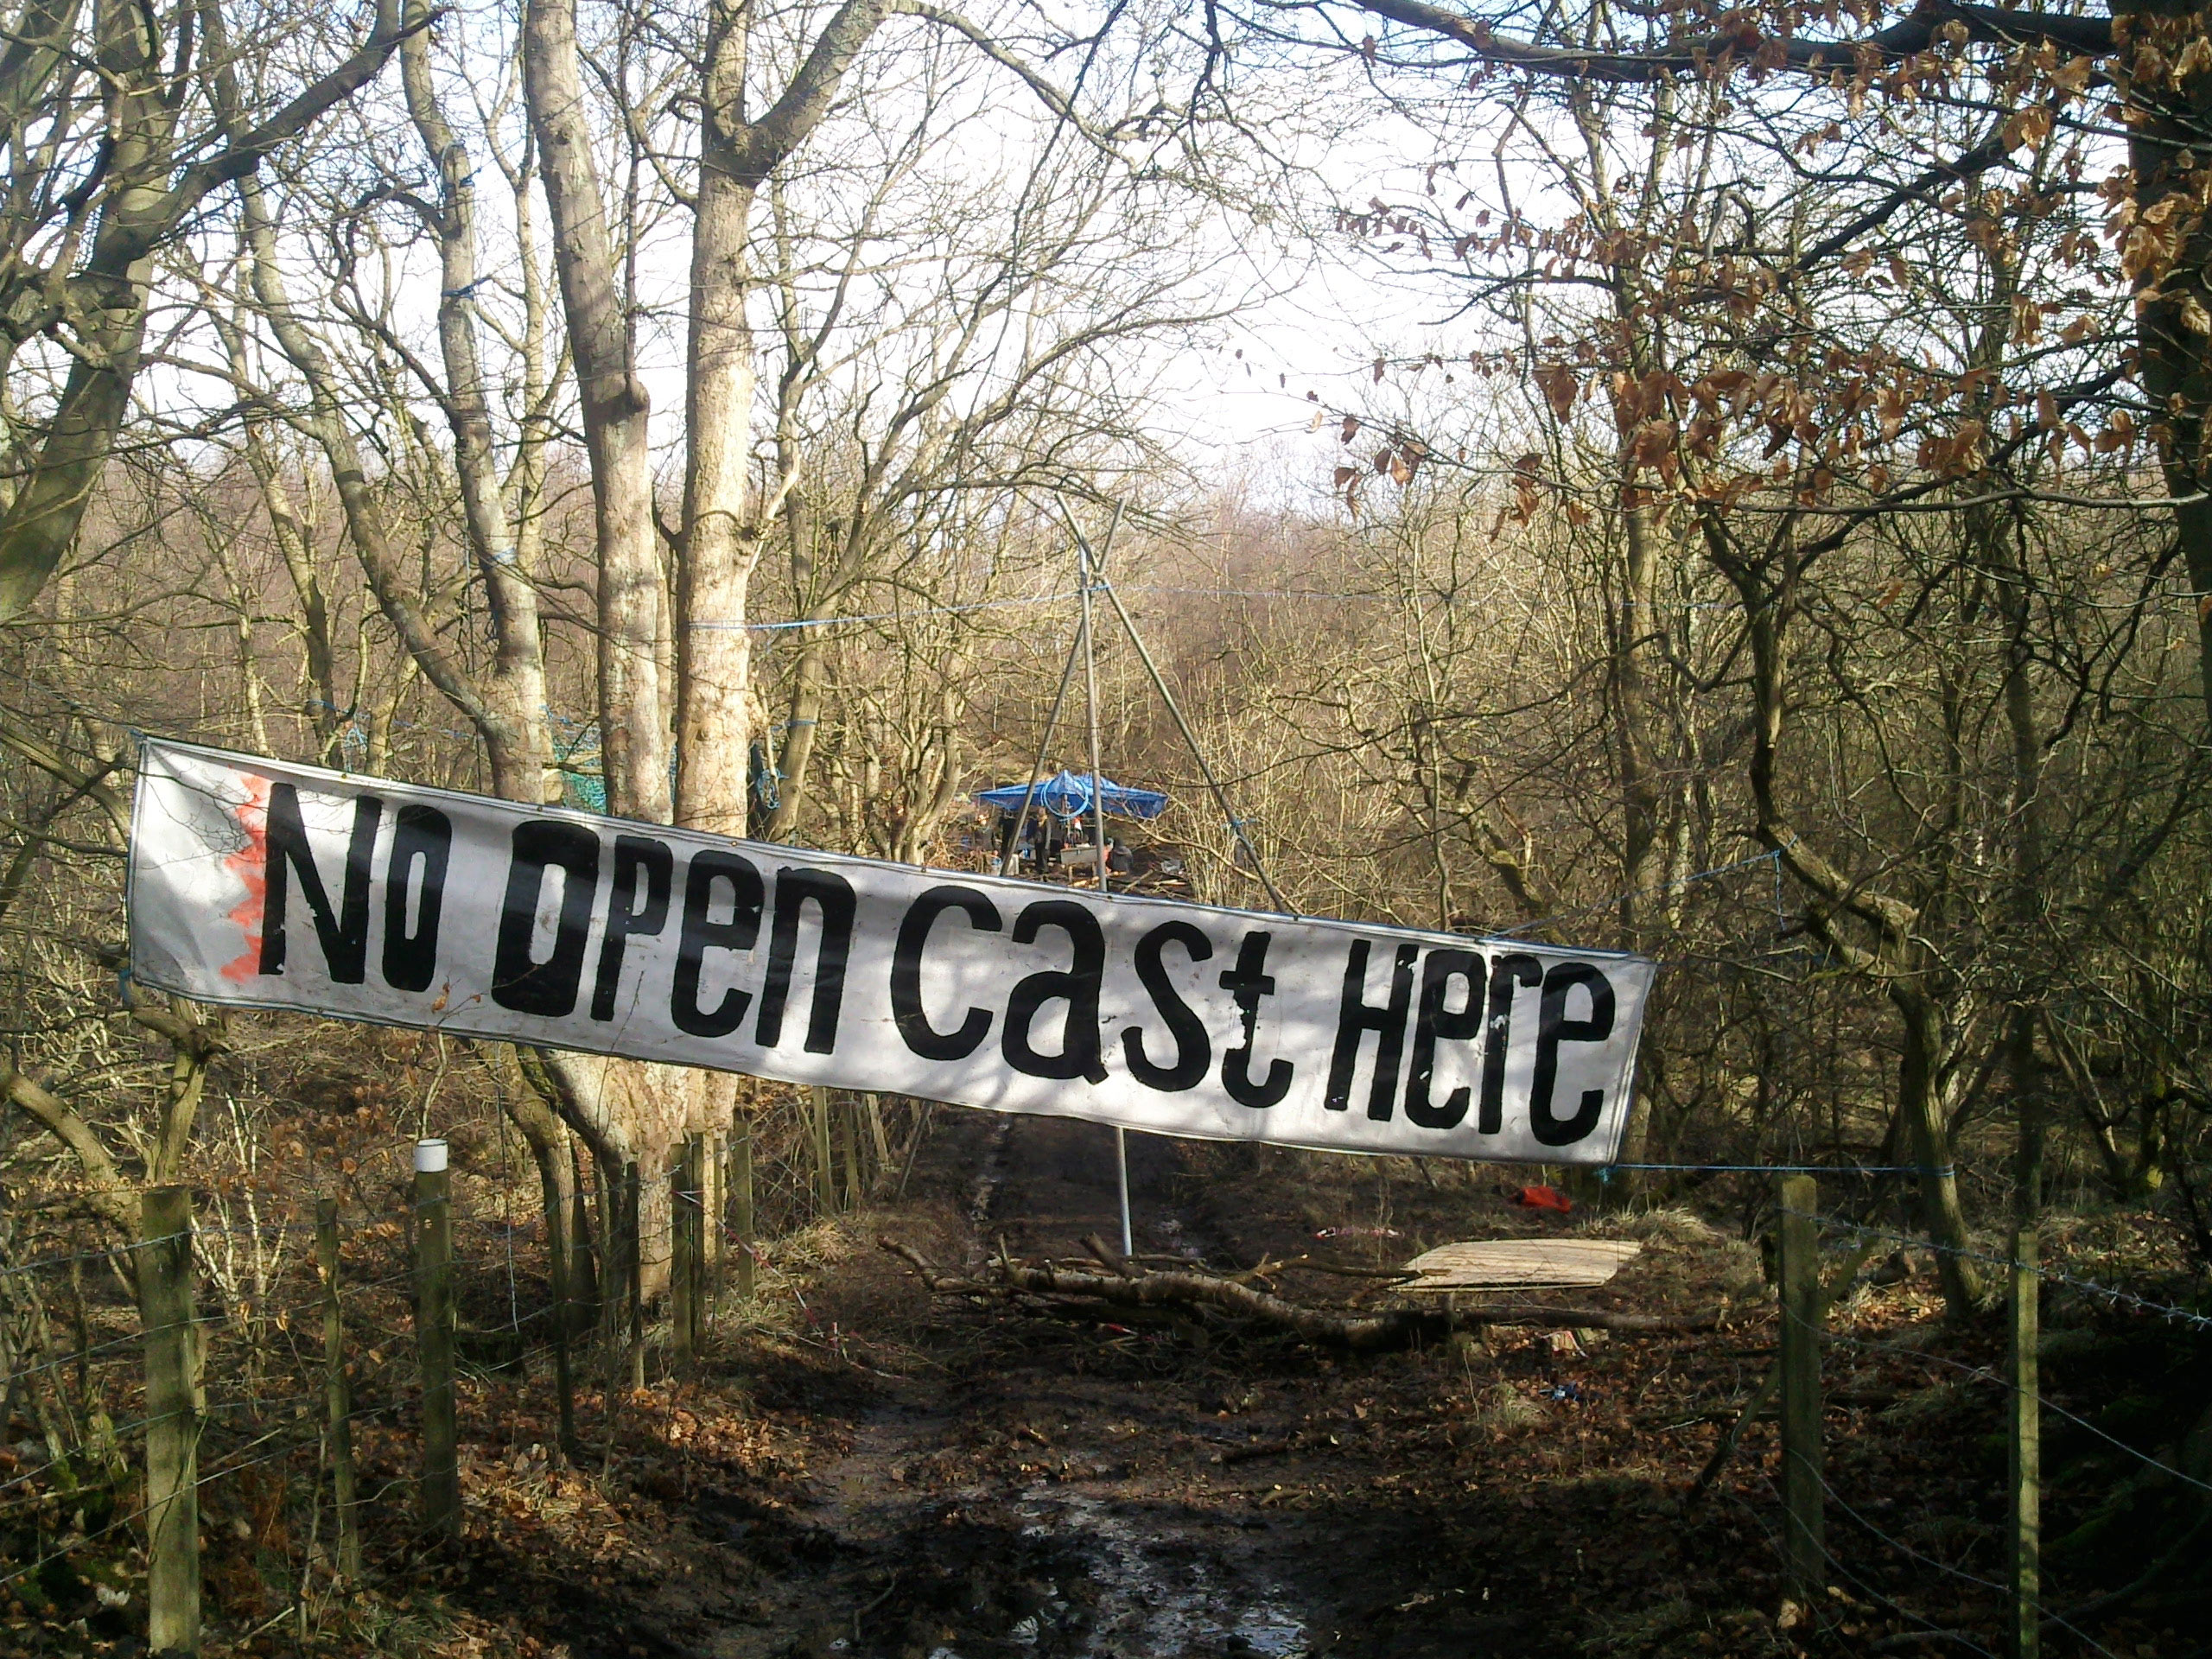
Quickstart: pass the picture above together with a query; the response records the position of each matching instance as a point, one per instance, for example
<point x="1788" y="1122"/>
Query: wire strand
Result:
<point x="2051" y="1275"/>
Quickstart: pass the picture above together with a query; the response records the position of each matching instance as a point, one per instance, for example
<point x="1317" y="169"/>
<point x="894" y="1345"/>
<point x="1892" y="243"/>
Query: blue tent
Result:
<point x="1068" y="796"/>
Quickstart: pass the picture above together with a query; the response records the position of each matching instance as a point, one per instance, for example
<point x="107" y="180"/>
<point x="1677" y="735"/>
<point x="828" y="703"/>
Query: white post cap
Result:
<point x="430" y="1157"/>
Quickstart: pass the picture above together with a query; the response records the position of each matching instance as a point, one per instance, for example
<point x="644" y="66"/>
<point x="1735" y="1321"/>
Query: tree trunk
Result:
<point x="615" y="409"/>
<point x="108" y="301"/>
<point x="2169" y="266"/>
<point x="512" y="734"/>
<point x="627" y="1110"/>
<point x="515" y="694"/>
<point x="1640" y="816"/>
<point x="142" y="199"/>
<point x="548" y="1149"/>
<point x="1920" y="1102"/>
<point x="720" y="543"/>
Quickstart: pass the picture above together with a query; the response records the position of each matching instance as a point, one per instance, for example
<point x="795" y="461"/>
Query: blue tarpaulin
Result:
<point x="1068" y="796"/>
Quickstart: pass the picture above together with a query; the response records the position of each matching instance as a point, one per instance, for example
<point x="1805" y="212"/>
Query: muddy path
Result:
<point x="868" y="1472"/>
<point x="858" y="1469"/>
<point x="1029" y="1485"/>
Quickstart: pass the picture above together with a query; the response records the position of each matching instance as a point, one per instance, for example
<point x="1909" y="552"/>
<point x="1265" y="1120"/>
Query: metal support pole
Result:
<point x="1083" y="578"/>
<point x="1076" y="648"/>
<point x="1122" y="1169"/>
<point x="433" y="1319"/>
<point x="1191" y="741"/>
<point x="1090" y="705"/>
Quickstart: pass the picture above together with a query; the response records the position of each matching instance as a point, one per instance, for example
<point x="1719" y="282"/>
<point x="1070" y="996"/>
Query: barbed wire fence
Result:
<point x="275" y="1374"/>
<point x="1932" y="1575"/>
<point x="307" y="1338"/>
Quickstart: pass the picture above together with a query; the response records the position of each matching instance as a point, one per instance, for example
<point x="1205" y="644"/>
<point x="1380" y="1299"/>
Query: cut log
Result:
<point x="1358" y="1330"/>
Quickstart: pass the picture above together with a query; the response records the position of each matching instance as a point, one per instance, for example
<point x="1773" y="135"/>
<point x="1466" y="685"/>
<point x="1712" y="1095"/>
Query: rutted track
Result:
<point x="928" y="1540"/>
<point x="920" y="1478"/>
<point x="1013" y="1481"/>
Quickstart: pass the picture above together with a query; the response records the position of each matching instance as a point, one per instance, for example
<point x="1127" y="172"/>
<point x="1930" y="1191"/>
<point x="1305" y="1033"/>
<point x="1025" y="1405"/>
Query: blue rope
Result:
<point x="710" y="626"/>
<point x="1605" y="1171"/>
<point x="1039" y="599"/>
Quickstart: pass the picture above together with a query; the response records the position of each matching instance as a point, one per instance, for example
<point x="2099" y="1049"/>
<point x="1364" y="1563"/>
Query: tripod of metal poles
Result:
<point x="1085" y="638"/>
<point x="1090" y="580"/>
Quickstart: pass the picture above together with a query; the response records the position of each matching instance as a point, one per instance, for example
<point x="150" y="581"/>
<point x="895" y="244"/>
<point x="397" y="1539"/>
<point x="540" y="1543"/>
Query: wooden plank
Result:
<point x="1521" y="1263"/>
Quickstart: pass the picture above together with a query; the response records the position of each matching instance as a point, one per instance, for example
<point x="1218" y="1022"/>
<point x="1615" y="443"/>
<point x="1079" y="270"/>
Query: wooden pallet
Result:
<point x="1521" y="1264"/>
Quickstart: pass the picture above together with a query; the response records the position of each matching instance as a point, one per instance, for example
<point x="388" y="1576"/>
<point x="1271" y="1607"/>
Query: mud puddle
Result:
<point x="979" y="1570"/>
<point x="1012" y="1509"/>
<point x="1159" y="1593"/>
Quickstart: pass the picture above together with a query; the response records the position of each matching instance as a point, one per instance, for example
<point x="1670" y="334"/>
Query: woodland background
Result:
<point x="1755" y="513"/>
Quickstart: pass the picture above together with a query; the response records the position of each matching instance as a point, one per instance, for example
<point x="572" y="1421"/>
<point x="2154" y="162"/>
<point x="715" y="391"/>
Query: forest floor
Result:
<point x="890" y="1474"/>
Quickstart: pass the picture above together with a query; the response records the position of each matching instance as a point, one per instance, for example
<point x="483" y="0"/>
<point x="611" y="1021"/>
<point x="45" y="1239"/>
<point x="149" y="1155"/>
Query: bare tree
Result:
<point x="91" y="204"/>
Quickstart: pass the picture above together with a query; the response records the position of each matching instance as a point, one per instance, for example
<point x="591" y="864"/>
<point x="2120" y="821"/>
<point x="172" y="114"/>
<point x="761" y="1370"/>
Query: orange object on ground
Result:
<point x="1543" y="1198"/>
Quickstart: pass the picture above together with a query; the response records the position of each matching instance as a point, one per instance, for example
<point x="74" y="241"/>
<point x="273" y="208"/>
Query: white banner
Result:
<point x="265" y="885"/>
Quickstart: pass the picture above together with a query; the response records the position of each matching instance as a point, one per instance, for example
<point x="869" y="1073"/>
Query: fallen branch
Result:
<point x="1393" y="1327"/>
<point x="1234" y="1454"/>
<point x="1754" y="1409"/>
<point x="1112" y="1258"/>
<point x="1269" y="1268"/>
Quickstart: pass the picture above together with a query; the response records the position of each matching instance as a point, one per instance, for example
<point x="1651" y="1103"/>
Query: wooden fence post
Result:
<point x="608" y="1306"/>
<point x="583" y="1276"/>
<point x="634" y="1219"/>
<point x="825" y="1173"/>
<point x="557" y="1258"/>
<point x="741" y="1202"/>
<point x="683" y="1265"/>
<point x="714" y="1202"/>
<point x="879" y="1141"/>
<point x="1803" y="1539"/>
<point x="173" y="1405"/>
<point x="337" y="1393"/>
<point x="434" y="1325"/>
<point x="2026" y="1459"/>
<point x="843" y="1123"/>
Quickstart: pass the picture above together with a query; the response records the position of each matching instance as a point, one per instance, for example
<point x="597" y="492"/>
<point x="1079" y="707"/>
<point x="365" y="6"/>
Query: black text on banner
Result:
<point x="257" y="883"/>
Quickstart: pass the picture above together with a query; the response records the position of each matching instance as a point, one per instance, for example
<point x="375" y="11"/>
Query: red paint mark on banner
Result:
<point x="250" y="864"/>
